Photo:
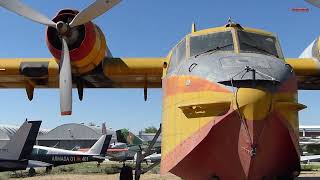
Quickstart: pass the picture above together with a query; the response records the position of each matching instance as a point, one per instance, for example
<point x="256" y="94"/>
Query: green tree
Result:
<point x="150" y="129"/>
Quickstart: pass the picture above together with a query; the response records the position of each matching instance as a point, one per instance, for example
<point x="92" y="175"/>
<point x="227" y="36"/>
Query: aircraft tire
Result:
<point x="32" y="172"/>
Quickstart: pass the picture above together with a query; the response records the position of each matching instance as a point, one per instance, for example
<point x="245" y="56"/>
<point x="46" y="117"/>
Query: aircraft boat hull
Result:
<point x="227" y="146"/>
<point x="225" y="152"/>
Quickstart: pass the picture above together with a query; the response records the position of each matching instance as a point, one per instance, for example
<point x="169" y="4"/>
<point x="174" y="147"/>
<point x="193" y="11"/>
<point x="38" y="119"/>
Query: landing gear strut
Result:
<point x="126" y="173"/>
<point x="48" y="169"/>
<point x="142" y="155"/>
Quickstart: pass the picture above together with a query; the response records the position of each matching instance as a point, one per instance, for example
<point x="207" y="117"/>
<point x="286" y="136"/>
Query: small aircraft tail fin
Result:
<point x="101" y="146"/>
<point x="311" y="51"/>
<point x="21" y="144"/>
<point x="125" y="136"/>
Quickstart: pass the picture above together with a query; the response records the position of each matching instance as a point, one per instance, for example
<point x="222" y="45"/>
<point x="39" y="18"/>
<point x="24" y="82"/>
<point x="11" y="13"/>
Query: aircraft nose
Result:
<point x="252" y="103"/>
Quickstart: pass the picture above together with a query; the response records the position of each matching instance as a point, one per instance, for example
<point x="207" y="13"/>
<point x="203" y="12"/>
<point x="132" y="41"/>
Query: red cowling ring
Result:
<point x="86" y="45"/>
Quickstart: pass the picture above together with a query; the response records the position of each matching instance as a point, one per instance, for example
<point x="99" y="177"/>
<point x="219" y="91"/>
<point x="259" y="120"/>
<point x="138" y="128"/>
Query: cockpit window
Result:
<point x="37" y="151"/>
<point x="42" y="151"/>
<point x="178" y="55"/>
<point x="257" y="43"/>
<point x="221" y="41"/>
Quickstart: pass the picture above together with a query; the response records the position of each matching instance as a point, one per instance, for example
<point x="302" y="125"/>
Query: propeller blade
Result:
<point x="314" y="2"/>
<point x="94" y="10"/>
<point x="23" y="10"/>
<point x="65" y="81"/>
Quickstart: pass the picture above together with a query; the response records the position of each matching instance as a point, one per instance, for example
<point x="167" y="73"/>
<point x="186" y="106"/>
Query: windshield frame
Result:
<point x="277" y="45"/>
<point x="235" y="45"/>
<point x="175" y="62"/>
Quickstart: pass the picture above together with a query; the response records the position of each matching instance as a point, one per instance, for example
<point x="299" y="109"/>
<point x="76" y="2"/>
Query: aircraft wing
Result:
<point x="307" y="71"/>
<point x="112" y="73"/>
<point x="34" y="164"/>
<point x="307" y="66"/>
<point x="21" y="73"/>
<point x="100" y="157"/>
<point x="307" y="143"/>
<point x="313" y="158"/>
<point x="134" y="72"/>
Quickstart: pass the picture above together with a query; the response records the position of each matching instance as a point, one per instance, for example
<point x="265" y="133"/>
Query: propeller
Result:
<point x="65" y="78"/>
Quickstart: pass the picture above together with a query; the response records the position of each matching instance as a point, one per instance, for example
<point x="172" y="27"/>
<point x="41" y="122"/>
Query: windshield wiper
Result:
<point x="218" y="48"/>
<point x="258" y="48"/>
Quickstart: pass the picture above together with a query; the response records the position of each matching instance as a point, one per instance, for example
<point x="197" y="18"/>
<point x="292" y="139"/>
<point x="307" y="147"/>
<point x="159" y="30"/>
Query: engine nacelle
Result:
<point x="87" y="44"/>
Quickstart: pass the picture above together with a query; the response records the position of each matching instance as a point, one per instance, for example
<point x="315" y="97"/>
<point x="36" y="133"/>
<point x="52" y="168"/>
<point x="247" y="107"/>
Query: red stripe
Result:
<point x="66" y="113"/>
<point x="300" y="9"/>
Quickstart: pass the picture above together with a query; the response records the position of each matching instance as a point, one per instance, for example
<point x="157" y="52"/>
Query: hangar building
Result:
<point x="67" y="136"/>
<point x="7" y="131"/>
<point x="72" y="136"/>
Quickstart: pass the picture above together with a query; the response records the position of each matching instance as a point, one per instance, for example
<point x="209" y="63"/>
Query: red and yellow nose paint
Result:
<point x="209" y="130"/>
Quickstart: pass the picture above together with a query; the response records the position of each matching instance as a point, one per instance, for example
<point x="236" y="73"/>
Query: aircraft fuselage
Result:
<point x="64" y="159"/>
<point x="231" y="107"/>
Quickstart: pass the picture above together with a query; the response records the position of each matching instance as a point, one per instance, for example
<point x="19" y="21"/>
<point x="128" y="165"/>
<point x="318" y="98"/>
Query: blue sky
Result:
<point x="145" y="28"/>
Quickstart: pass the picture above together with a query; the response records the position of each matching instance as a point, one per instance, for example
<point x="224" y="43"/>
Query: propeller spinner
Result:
<point x="63" y="28"/>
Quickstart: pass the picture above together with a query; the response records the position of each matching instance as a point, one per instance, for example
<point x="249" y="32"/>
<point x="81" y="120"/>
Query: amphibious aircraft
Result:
<point x="14" y="155"/>
<point x="42" y="156"/>
<point x="229" y="95"/>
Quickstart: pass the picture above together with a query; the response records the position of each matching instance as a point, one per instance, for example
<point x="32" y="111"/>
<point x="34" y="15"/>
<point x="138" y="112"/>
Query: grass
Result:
<point x="82" y="168"/>
<point x="310" y="167"/>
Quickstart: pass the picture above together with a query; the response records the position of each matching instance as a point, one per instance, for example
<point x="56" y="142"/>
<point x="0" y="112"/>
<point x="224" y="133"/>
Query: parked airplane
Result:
<point x="14" y="155"/>
<point x="42" y="156"/>
<point x="129" y="138"/>
<point x="127" y="146"/>
<point x="143" y="151"/>
<point x="310" y="149"/>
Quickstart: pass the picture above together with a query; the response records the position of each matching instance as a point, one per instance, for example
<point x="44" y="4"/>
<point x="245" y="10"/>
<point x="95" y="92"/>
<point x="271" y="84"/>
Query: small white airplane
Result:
<point x="309" y="155"/>
<point x="310" y="158"/>
<point x="48" y="157"/>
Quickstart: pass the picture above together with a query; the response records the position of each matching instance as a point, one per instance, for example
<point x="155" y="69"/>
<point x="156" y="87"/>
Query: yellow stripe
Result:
<point x="93" y="53"/>
<point x="94" y="61"/>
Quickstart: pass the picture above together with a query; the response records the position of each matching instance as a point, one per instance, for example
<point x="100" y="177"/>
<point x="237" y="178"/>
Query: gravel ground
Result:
<point x="306" y="175"/>
<point x="98" y="177"/>
<point x="310" y="174"/>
